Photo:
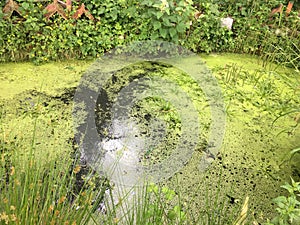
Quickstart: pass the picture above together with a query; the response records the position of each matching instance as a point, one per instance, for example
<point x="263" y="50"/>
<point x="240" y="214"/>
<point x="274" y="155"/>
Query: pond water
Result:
<point x="256" y="141"/>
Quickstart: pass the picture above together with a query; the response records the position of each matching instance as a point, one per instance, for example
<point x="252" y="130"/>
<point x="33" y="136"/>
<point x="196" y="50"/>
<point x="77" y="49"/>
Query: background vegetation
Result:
<point x="194" y="24"/>
<point x="35" y="194"/>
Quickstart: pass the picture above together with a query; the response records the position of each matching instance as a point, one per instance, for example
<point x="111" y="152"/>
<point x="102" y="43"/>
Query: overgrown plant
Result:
<point x="288" y="208"/>
<point x="33" y="192"/>
<point x="168" y="20"/>
<point x="34" y="38"/>
<point x="206" y="34"/>
<point x="156" y="204"/>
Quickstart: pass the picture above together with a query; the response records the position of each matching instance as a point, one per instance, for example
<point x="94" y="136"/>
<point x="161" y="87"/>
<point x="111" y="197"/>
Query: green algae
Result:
<point x="253" y="147"/>
<point x="49" y="78"/>
<point x="36" y="108"/>
<point x="250" y="163"/>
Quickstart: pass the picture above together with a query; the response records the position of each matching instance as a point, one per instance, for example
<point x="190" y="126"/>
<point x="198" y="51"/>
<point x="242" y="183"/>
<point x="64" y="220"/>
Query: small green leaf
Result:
<point x="181" y="28"/>
<point x="25" y="5"/>
<point x="166" y="22"/>
<point x="172" y="32"/>
<point x="172" y="215"/>
<point x="280" y="200"/>
<point x="288" y="187"/>
<point x="168" y="11"/>
<point x="155" y="36"/>
<point x="153" y="188"/>
<point x="156" y="25"/>
<point x="168" y="193"/>
<point x="159" y="14"/>
<point x="163" y="32"/>
<point x="178" y="8"/>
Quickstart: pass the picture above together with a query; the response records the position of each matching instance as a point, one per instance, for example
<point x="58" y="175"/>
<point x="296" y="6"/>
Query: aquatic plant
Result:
<point x="291" y="155"/>
<point x="291" y="129"/>
<point x="217" y="207"/>
<point x="156" y="204"/>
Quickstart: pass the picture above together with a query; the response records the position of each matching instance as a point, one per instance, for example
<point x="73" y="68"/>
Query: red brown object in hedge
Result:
<point x="280" y="7"/>
<point x="10" y="7"/>
<point x="53" y="8"/>
<point x="277" y="10"/>
<point x="69" y="5"/>
<point x="289" y="8"/>
<point x="82" y="10"/>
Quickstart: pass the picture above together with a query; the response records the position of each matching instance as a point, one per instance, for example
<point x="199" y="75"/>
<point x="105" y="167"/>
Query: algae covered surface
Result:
<point x="36" y="105"/>
<point x="36" y="108"/>
<point x="256" y="142"/>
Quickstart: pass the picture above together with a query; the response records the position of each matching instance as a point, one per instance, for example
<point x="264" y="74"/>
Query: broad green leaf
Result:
<point x="25" y="5"/>
<point x="159" y="14"/>
<point x="156" y="25"/>
<point x="166" y="22"/>
<point x="181" y="27"/>
<point x="287" y="187"/>
<point x="172" y="32"/>
<point x="168" y="11"/>
<point x="163" y="32"/>
<point x="172" y="215"/>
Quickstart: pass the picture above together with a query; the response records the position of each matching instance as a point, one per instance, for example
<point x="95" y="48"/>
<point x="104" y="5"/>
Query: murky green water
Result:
<point x="253" y="150"/>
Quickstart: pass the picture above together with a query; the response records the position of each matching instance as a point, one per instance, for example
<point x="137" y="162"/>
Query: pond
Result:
<point x="257" y="138"/>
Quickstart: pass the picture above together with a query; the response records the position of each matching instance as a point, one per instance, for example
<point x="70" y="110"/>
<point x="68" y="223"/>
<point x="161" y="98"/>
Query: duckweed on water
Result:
<point x="250" y="163"/>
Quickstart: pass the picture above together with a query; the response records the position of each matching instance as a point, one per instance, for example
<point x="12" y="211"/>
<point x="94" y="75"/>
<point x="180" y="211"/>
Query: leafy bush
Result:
<point x="168" y="20"/>
<point x="288" y="208"/>
<point x="255" y="31"/>
<point x="34" y="38"/>
<point x="207" y="35"/>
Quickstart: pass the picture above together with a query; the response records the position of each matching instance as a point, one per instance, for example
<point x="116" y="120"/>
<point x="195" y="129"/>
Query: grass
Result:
<point x="217" y="207"/>
<point x="31" y="194"/>
<point x="34" y="192"/>
<point x="158" y="204"/>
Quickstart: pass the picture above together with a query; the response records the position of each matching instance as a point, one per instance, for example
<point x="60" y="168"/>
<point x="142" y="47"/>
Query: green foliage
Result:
<point x="288" y="208"/>
<point x="275" y="37"/>
<point x="121" y="17"/>
<point x="207" y="35"/>
<point x="36" y="39"/>
<point x="159" y="208"/>
<point x="35" y="192"/>
<point x="157" y="204"/>
<point x="168" y="20"/>
<point x="119" y="22"/>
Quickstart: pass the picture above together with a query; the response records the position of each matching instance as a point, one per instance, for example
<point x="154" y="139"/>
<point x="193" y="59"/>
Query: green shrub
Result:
<point x="119" y="22"/>
<point x="207" y="35"/>
<point x="288" y="208"/>
<point x="168" y="20"/>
